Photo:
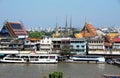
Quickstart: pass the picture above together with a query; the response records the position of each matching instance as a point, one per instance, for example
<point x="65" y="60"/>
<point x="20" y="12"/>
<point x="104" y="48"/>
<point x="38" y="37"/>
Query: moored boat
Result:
<point x="110" y="76"/>
<point x="12" y="59"/>
<point x="30" y="58"/>
<point x="117" y="61"/>
<point x="86" y="58"/>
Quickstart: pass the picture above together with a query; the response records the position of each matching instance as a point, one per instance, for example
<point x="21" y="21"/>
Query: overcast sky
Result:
<point x="37" y="13"/>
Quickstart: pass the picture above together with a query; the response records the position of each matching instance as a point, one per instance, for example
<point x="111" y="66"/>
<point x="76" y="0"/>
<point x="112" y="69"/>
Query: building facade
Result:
<point x="31" y="44"/>
<point x="96" y="46"/>
<point x="78" y="46"/>
<point x="45" y="44"/>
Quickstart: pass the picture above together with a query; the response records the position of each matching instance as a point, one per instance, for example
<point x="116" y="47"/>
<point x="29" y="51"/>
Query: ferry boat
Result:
<point x="12" y="59"/>
<point x="30" y="58"/>
<point x="86" y="58"/>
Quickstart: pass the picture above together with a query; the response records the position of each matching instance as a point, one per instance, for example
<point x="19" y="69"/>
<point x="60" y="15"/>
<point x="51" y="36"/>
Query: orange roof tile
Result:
<point x="33" y="39"/>
<point x="88" y="30"/>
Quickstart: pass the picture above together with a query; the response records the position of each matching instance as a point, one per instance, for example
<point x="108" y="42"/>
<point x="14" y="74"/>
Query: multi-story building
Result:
<point x="78" y="46"/>
<point x="56" y="45"/>
<point x="67" y="46"/>
<point x="60" y="45"/>
<point x="45" y="44"/>
<point x="31" y="44"/>
<point x="96" y="46"/>
<point x="116" y="45"/>
<point x="11" y="44"/>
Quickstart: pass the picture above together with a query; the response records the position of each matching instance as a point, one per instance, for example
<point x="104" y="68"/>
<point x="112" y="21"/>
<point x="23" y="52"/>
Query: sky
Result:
<point x="43" y="13"/>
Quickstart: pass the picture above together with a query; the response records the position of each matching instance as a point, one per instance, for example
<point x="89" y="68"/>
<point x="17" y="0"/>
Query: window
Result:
<point x="83" y="46"/>
<point x="71" y="46"/>
<point x="77" y="46"/>
<point x="16" y="26"/>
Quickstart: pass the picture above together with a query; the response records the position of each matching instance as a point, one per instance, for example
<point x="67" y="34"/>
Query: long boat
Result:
<point x="87" y="58"/>
<point x="30" y="58"/>
<point x="117" y="61"/>
<point x="110" y="76"/>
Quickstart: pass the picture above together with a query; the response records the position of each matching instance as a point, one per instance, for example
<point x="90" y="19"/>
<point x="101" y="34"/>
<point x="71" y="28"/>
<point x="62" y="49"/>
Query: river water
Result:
<point x="70" y="70"/>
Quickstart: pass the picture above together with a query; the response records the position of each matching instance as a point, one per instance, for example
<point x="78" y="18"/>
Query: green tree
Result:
<point x="35" y="34"/>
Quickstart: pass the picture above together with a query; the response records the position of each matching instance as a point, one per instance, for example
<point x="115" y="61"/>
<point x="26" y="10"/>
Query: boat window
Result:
<point x="34" y="56"/>
<point x="43" y="56"/>
<point x="24" y="56"/>
<point x="52" y="57"/>
<point x="13" y="59"/>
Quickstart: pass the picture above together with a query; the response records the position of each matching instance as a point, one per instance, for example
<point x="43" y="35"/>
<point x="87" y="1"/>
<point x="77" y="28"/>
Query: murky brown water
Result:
<point x="69" y="69"/>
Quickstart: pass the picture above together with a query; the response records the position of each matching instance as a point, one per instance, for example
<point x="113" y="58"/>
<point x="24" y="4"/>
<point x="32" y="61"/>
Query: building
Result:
<point x="11" y="44"/>
<point x="63" y="31"/>
<point x="13" y="30"/>
<point x="87" y="31"/>
<point x="69" y="46"/>
<point x="78" y="46"/>
<point x="116" y="45"/>
<point x="96" y="46"/>
<point x="45" y="44"/>
<point x="31" y="44"/>
<point x="60" y="45"/>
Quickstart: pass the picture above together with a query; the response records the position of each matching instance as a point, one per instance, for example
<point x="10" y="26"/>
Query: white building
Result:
<point x="96" y="46"/>
<point x="45" y="44"/>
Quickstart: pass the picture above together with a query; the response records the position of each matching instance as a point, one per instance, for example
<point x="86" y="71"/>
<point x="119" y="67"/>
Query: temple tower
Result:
<point x="66" y="28"/>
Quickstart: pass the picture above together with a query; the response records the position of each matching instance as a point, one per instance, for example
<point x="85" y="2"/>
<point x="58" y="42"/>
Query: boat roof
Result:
<point x="38" y="54"/>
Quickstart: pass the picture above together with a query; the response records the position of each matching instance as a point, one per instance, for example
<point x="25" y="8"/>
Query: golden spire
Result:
<point x="56" y="25"/>
<point x="71" y="25"/>
<point x="66" y="27"/>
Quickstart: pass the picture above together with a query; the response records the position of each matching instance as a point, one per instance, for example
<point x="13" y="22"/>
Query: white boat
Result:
<point x="87" y="58"/>
<point x="117" y="61"/>
<point x="12" y="59"/>
<point x="30" y="58"/>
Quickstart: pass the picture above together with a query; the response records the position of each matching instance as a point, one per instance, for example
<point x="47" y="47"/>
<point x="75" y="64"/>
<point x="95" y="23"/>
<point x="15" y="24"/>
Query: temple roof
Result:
<point x="88" y="30"/>
<point x="113" y="34"/>
<point x="14" y="29"/>
<point x="78" y="35"/>
<point x="33" y="39"/>
<point x="116" y="40"/>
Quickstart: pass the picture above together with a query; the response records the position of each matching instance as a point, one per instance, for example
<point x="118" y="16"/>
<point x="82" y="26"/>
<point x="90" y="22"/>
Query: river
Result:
<point x="70" y="70"/>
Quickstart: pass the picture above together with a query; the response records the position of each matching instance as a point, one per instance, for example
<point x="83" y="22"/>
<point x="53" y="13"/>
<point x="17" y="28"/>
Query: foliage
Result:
<point x="35" y="34"/>
<point x="56" y="75"/>
<point x="74" y="32"/>
<point x="49" y="33"/>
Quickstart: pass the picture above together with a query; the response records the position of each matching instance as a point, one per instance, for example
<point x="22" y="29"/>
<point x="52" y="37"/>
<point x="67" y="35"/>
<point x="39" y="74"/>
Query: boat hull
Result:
<point x="87" y="59"/>
<point x="31" y="59"/>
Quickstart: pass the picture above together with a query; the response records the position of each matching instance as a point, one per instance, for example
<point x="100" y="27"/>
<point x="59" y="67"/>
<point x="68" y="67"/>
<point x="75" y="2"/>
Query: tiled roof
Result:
<point x="88" y="30"/>
<point x="78" y="35"/>
<point x="15" y="29"/>
<point x="113" y="34"/>
<point x="33" y="39"/>
<point x="116" y="39"/>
